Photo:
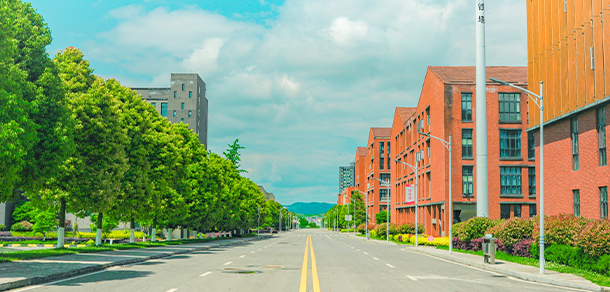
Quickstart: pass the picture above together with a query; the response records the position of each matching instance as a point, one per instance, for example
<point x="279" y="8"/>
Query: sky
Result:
<point x="298" y="82"/>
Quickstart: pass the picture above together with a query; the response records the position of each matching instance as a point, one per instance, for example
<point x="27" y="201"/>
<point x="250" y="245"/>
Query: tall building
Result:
<point x="346" y="177"/>
<point x="184" y="101"/>
<point x="447" y="106"/>
<point x="568" y="51"/>
<point x="377" y="167"/>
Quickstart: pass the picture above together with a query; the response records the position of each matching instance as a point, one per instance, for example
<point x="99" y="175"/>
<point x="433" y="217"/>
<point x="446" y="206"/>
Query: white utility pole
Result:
<point x="481" y="116"/>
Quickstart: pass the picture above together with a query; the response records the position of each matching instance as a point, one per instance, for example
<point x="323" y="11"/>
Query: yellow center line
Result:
<point x="304" y="269"/>
<point x="314" y="270"/>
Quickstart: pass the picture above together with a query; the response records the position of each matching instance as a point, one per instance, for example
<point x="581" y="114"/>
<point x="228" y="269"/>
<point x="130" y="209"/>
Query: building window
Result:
<point x="467" y="143"/>
<point x="381" y="157"/>
<point x="574" y="131"/>
<point x="510" y="180"/>
<point x="182" y="105"/>
<point x="428" y="117"/>
<point x="466" y="107"/>
<point x="576" y="194"/>
<point x="182" y="120"/>
<point x="190" y="94"/>
<point x="601" y="135"/>
<point x="154" y="104"/>
<point x="531" y="145"/>
<point x="175" y="94"/>
<point x="517" y="211"/>
<point x="531" y="174"/>
<point x="467" y="181"/>
<point x="174" y="113"/>
<point x="388" y="155"/>
<point x="190" y="114"/>
<point x="510" y="107"/>
<point x="182" y="87"/>
<point x="384" y="177"/>
<point x="532" y="211"/>
<point x="383" y="194"/>
<point x="164" y="109"/>
<point x="603" y="202"/>
<point x="510" y="143"/>
<point x="504" y="211"/>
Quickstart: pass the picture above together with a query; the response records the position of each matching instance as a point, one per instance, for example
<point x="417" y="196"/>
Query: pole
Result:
<point x="354" y="214"/>
<point x="366" y="217"/>
<point x="258" y="226"/>
<point x="450" y="201"/>
<point x="481" y="116"/>
<point x="541" y="184"/>
<point x="387" y="220"/>
<point x="416" y="198"/>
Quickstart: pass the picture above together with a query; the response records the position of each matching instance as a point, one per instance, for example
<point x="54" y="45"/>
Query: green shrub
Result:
<point x="2" y="227"/>
<point x="561" y="254"/>
<point x="23" y="226"/>
<point x="594" y="238"/>
<point x="382" y="217"/>
<point x="535" y="250"/>
<point x="513" y="230"/>
<point x="603" y="265"/>
<point x="582" y="260"/>
<point x="559" y="229"/>
<point x="381" y="230"/>
<point x="475" y="228"/>
<point x="456" y="228"/>
<point x="408" y="228"/>
<point x="374" y="234"/>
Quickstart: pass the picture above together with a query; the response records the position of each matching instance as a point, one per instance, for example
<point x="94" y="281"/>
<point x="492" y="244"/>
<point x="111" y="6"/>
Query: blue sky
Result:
<point x="299" y="82"/>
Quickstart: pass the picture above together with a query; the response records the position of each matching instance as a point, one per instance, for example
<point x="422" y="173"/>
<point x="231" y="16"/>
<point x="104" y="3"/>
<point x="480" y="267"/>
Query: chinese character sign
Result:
<point x="410" y="194"/>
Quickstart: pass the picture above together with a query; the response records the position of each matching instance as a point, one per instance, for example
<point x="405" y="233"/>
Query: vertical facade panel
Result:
<point x="554" y="77"/>
<point x="563" y="59"/>
<point x="606" y="41"/>
<point x="546" y="52"/>
<point x="598" y="44"/>
<point x="580" y="54"/>
<point x="571" y="30"/>
<point x="588" y="34"/>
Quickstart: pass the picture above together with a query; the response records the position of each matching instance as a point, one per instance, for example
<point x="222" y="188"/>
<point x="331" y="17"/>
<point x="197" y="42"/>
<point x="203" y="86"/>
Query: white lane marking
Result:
<point x="412" y="278"/>
<point x="205" y="274"/>
<point x="241" y="256"/>
<point x="375" y="258"/>
<point x="357" y="250"/>
<point x="64" y="280"/>
<point x="172" y="290"/>
<point x="364" y="252"/>
<point x="252" y="252"/>
<point x="260" y="249"/>
<point x="228" y="263"/>
<point x="389" y="266"/>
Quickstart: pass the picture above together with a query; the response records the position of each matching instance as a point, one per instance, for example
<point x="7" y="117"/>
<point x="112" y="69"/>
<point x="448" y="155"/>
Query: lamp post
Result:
<point x="416" y="193"/>
<point x="280" y="229"/>
<point x="537" y="99"/>
<point x="447" y="145"/>
<point x="258" y="227"/>
<point x="387" y="222"/>
<point x="366" y="214"/>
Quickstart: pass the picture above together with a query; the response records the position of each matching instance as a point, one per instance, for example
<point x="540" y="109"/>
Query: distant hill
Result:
<point x="312" y="208"/>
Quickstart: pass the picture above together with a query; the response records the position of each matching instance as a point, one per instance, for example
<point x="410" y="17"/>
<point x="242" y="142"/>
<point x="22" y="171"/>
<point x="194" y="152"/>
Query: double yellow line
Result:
<point x="314" y="268"/>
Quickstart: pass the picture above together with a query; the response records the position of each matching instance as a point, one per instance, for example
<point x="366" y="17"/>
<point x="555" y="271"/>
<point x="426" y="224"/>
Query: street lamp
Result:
<point x="447" y="145"/>
<point x="387" y="222"/>
<point x="258" y="227"/>
<point x="353" y="219"/>
<point x="280" y="219"/>
<point x="416" y="193"/>
<point x="537" y="99"/>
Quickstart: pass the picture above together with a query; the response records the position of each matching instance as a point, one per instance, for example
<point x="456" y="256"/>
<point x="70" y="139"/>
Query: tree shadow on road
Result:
<point x="115" y="275"/>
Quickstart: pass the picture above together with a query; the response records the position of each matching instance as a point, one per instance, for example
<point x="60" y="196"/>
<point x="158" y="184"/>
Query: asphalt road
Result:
<point x="304" y="260"/>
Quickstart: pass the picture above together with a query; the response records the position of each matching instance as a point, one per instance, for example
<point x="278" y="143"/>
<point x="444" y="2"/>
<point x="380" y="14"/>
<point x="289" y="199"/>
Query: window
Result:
<point x="574" y="131"/>
<point x="603" y="202"/>
<point x="383" y="194"/>
<point x="175" y="94"/>
<point x="510" y="143"/>
<point x="510" y="107"/>
<point x="467" y="181"/>
<point x="576" y="194"/>
<point x="182" y="87"/>
<point x="190" y="94"/>
<point x="466" y="107"/>
<point x="531" y="145"/>
<point x="164" y="109"/>
<point x="467" y="143"/>
<point x="182" y="106"/>
<point x="504" y="211"/>
<point x="190" y="114"/>
<point x="182" y="120"/>
<point x="381" y="157"/>
<point x="428" y="117"/>
<point x="389" y="157"/>
<point x="510" y="180"/>
<point x="154" y="104"/>
<point x="174" y="113"/>
<point x="531" y="175"/>
<point x="601" y="135"/>
<point x="517" y="211"/>
<point x="384" y="177"/>
<point x="532" y="211"/>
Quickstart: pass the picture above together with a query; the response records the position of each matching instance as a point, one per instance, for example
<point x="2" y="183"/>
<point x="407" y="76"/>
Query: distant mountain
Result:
<point x="312" y="208"/>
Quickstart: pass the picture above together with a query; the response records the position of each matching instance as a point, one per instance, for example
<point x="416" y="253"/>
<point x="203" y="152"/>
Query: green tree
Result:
<point x="45" y="222"/>
<point x="108" y="224"/>
<point x="381" y="217"/>
<point x="23" y="211"/>
<point x="303" y="223"/>
<point x="233" y="155"/>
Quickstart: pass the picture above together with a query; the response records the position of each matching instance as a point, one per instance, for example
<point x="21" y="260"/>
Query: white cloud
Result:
<point x="302" y="91"/>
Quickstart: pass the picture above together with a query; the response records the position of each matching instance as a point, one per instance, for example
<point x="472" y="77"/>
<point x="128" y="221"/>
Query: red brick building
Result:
<point x="447" y="106"/>
<point x="377" y="165"/>
<point x="568" y="51"/>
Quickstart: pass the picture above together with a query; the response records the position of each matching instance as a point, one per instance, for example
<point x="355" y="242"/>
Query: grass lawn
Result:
<point x="596" y="278"/>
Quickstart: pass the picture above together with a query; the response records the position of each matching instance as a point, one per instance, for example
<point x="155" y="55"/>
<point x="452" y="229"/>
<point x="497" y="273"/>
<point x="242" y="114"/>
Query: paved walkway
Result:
<point x="528" y="273"/>
<point x="30" y="272"/>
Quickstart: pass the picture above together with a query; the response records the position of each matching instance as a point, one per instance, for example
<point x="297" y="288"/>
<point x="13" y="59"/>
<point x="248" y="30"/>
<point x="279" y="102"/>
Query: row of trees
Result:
<point x="74" y="142"/>
<point x="336" y="215"/>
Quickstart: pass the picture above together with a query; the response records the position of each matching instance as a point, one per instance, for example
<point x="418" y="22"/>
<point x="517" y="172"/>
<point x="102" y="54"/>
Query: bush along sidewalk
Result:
<point x="403" y="234"/>
<point x="572" y="244"/>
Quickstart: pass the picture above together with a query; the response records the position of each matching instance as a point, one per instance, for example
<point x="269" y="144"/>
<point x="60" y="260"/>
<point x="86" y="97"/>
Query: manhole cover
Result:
<point x="239" y="271"/>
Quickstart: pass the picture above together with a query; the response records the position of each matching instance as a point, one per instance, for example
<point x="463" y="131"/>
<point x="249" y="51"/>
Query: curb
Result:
<point x="68" y="274"/>
<point x="375" y="241"/>
<point x="522" y="276"/>
<point x="41" y="245"/>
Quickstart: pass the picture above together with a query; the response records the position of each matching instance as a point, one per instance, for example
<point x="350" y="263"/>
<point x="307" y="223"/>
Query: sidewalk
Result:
<point x="523" y="272"/>
<point x="31" y="272"/>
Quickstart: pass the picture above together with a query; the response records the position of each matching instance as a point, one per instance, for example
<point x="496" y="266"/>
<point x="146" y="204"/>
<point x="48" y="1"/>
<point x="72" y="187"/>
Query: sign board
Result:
<point x="410" y="194"/>
<point x="348" y="217"/>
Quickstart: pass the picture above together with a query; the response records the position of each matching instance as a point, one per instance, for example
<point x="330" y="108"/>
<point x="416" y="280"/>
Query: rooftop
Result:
<point x="381" y="132"/>
<point x="467" y="74"/>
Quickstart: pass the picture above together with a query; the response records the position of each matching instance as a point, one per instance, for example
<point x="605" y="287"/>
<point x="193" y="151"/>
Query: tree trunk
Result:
<point x="132" y="225"/>
<point x="169" y="234"/>
<point x="153" y="235"/>
<point x="98" y="235"/>
<point x="62" y="224"/>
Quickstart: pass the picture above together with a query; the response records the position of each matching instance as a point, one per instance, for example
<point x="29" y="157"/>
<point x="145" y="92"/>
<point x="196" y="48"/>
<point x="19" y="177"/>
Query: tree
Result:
<point x="381" y="217"/>
<point x="233" y="155"/>
<point x="45" y="222"/>
<point x="108" y="223"/>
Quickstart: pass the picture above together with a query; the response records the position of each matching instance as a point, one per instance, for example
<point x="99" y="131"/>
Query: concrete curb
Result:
<point x="522" y="276"/>
<point x="375" y="241"/>
<point x="22" y="282"/>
